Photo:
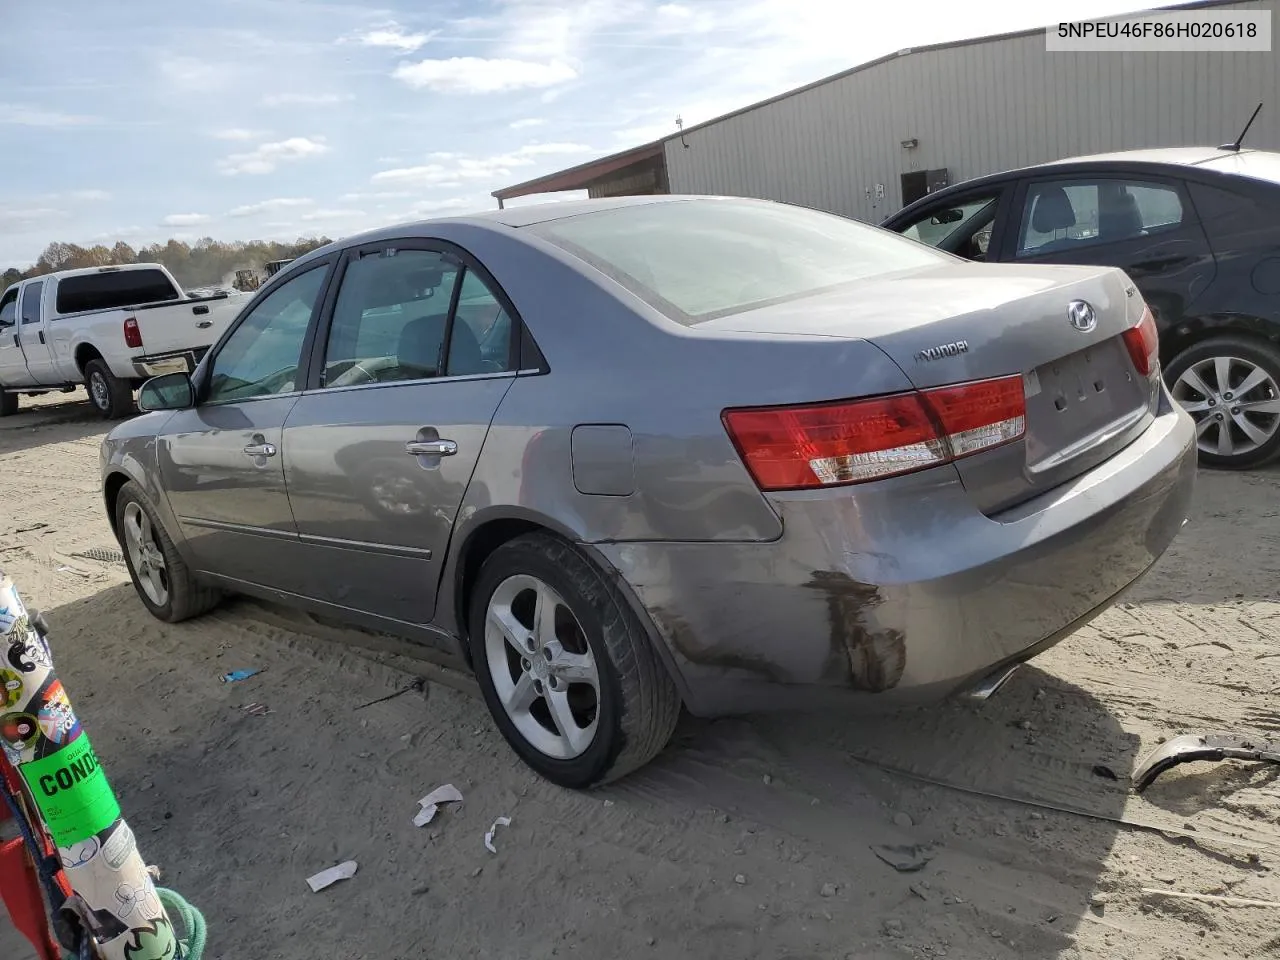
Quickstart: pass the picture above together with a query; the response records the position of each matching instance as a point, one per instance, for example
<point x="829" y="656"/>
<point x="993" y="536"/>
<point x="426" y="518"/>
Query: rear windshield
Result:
<point x="106" y="291"/>
<point x="696" y="260"/>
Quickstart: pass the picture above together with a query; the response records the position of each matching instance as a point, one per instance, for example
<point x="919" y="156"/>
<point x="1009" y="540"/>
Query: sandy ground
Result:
<point x="747" y="838"/>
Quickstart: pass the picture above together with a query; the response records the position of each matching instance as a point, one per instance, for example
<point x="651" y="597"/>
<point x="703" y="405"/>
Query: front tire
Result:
<point x="566" y="668"/>
<point x="1231" y="387"/>
<point x="164" y="583"/>
<point x="8" y="404"/>
<point x="110" y="396"/>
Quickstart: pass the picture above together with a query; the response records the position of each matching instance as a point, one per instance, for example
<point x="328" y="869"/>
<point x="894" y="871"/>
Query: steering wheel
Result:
<point x="364" y="371"/>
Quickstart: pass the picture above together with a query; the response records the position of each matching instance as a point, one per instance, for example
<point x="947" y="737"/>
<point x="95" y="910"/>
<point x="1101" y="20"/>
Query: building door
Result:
<point x="921" y="183"/>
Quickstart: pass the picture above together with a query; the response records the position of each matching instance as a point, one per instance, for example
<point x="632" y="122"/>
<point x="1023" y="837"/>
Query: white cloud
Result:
<point x="185" y="219"/>
<point x="269" y="206"/>
<point x="480" y="75"/>
<point x="238" y="133"/>
<point x="201" y="74"/>
<point x="24" y="116"/>
<point x="452" y="169"/>
<point x="393" y="36"/>
<point x="267" y="156"/>
<point x="426" y="208"/>
<point x="304" y="99"/>
<point x="89" y="195"/>
<point x="19" y="217"/>
<point x="526" y="123"/>
<point x="324" y="215"/>
<point x="375" y="195"/>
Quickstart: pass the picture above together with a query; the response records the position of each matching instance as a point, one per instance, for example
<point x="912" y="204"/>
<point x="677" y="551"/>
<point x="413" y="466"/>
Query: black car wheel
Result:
<point x="566" y="668"/>
<point x="1231" y="387"/>
<point x="165" y="585"/>
<point x="110" y="396"/>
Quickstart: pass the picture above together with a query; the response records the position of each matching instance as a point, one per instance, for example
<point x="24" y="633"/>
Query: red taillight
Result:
<point x="132" y="335"/>
<point x="1144" y="344"/>
<point x="788" y="448"/>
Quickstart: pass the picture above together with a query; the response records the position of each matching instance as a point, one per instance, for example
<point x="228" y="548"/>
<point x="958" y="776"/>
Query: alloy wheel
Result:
<point x="98" y="390"/>
<point x="145" y="555"/>
<point x="1234" y="402"/>
<point x="543" y="670"/>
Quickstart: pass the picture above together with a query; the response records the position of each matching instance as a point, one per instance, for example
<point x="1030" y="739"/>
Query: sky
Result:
<point x="274" y="119"/>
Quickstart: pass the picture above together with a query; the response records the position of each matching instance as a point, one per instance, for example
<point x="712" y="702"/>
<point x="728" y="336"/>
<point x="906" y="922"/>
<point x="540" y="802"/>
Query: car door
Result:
<point x="220" y="462"/>
<point x="31" y="333"/>
<point x="1144" y="224"/>
<point x="380" y="449"/>
<point x="13" y="362"/>
<point x="963" y="223"/>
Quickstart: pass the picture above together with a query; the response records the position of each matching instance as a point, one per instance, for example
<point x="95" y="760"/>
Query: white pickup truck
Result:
<point x="108" y="328"/>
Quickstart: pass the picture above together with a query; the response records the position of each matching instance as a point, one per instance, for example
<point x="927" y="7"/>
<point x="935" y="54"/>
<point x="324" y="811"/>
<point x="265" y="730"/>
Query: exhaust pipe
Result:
<point x="987" y="687"/>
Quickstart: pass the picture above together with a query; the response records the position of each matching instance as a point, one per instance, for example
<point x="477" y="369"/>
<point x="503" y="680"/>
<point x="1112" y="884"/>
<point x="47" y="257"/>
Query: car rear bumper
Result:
<point x="902" y="591"/>
<point x="182" y="361"/>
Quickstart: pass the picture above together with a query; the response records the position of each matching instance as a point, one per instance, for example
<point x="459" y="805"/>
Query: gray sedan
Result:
<point x="619" y="457"/>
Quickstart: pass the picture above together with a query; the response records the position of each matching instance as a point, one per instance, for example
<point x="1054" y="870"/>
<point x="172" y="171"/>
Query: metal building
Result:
<point x="865" y="142"/>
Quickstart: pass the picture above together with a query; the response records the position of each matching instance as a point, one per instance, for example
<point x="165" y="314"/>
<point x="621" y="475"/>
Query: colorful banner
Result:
<point x="113" y="893"/>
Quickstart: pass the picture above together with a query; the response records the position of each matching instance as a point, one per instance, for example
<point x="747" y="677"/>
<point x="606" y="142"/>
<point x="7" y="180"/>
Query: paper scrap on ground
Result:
<point x="488" y="837"/>
<point x="431" y="803"/>
<point x="237" y="675"/>
<point x="325" y="878"/>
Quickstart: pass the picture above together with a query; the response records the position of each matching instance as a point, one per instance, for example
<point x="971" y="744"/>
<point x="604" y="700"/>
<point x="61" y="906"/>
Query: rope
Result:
<point x="193" y="924"/>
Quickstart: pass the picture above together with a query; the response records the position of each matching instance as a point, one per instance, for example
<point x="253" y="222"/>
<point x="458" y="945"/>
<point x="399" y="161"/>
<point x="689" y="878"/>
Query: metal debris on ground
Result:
<point x="235" y="676"/>
<point x="327" y="878"/>
<point x="1210" y="746"/>
<point x="417" y="683"/>
<point x="256" y="709"/>
<point x="488" y="837"/>
<point x="431" y="803"/>
<point x="905" y="858"/>
<point x="101" y="554"/>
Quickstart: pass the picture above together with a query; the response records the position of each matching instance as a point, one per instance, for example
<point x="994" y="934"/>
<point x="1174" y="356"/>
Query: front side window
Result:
<point x="1063" y="215"/>
<point x="944" y="227"/>
<point x="31" y="302"/>
<point x="390" y="318"/>
<point x="695" y="260"/>
<point x="262" y="356"/>
<point x="9" y="309"/>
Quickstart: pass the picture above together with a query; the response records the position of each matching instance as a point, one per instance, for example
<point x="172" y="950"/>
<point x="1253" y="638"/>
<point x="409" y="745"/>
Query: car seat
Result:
<point x="1053" y="212"/>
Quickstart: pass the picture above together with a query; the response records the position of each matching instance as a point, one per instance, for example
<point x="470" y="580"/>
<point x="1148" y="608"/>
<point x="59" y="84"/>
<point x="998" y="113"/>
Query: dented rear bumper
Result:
<point x="901" y="591"/>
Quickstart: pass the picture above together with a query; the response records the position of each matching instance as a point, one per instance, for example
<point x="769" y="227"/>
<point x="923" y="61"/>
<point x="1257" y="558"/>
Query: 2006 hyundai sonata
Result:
<point x="623" y="456"/>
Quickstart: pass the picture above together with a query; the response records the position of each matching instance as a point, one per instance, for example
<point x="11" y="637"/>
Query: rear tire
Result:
<point x="1251" y="419"/>
<point x="8" y="404"/>
<point x="110" y="396"/>
<point x="164" y="582"/>
<point x="590" y="632"/>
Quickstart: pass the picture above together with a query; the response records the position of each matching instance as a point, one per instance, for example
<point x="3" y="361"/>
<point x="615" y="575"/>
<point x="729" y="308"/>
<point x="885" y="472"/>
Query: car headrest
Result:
<point x="419" y="346"/>
<point x="1053" y="211"/>
<point x="1119" y="217"/>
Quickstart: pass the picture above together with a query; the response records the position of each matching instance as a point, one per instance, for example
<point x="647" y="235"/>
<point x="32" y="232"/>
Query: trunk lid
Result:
<point x="956" y="323"/>
<point x="185" y="325"/>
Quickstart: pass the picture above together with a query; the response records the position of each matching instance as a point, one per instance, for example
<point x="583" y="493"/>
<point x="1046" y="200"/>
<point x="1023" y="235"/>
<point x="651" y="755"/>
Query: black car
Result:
<point x="1197" y="229"/>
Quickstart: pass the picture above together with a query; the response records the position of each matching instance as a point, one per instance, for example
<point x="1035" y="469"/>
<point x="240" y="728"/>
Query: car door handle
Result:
<point x="260" y="449"/>
<point x="200" y="310"/>
<point x="204" y="324"/>
<point x="431" y="448"/>
<point x="42" y="336"/>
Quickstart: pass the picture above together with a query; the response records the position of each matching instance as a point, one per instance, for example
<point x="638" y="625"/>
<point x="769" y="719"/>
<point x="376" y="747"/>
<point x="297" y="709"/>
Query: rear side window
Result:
<point x="1063" y="215"/>
<point x="699" y="259"/>
<point x="108" y="291"/>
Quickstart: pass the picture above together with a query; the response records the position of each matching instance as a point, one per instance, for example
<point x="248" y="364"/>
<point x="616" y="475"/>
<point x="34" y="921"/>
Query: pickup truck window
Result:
<point x="31" y="302"/>
<point x="9" y="309"/>
<point x="109" y="291"/>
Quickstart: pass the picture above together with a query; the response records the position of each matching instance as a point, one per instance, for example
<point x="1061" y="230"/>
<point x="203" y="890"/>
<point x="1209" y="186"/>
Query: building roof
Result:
<point x="580" y="177"/>
<point x="583" y="175"/>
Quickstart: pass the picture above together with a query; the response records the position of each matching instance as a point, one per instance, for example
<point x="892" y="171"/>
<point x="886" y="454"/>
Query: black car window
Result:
<point x="390" y="318"/>
<point x="1063" y="215"/>
<point x="262" y="355"/>
<point x="966" y="224"/>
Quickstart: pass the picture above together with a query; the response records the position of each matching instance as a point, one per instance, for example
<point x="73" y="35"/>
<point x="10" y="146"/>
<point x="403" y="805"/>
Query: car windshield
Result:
<point x="696" y="260"/>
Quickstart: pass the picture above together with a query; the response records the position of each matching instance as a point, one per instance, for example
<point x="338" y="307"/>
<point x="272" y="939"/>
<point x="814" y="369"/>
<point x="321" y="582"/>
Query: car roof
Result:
<point x="1179" y="156"/>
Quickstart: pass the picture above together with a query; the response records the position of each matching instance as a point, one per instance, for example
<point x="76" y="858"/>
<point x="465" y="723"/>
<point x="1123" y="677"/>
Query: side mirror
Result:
<point x="173" y="391"/>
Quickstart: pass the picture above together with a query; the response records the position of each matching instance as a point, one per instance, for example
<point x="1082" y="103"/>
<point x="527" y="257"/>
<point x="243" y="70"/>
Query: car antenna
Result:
<point x="1235" y="147"/>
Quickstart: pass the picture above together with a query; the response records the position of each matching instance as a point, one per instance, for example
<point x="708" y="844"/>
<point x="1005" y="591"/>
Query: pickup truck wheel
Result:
<point x="110" y="396"/>
<point x="164" y="582"/>
<point x="8" y="404"/>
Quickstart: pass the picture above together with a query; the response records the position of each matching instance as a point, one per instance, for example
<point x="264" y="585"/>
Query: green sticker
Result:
<point x="72" y="793"/>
